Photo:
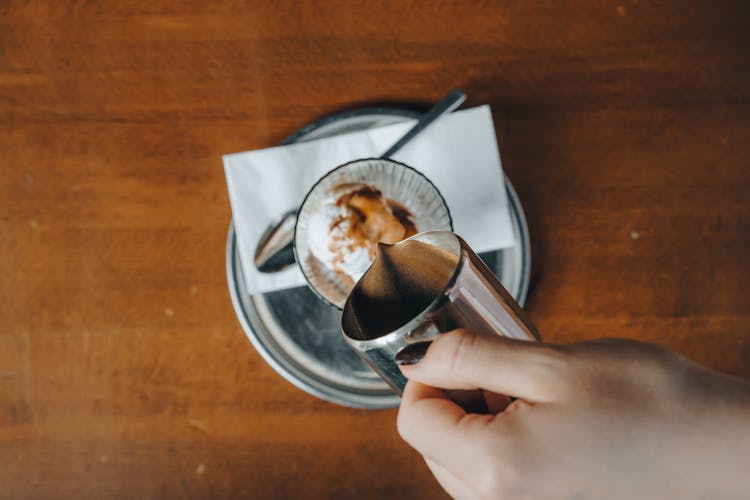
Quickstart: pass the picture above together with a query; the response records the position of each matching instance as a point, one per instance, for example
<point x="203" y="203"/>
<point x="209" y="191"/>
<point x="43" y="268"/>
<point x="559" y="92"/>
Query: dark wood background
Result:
<point x="124" y="372"/>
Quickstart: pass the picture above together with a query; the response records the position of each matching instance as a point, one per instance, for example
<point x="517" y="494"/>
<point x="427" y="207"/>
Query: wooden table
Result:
<point x="123" y="369"/>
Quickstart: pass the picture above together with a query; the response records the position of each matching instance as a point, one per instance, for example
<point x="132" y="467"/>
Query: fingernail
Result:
<point x="412" y="354"/>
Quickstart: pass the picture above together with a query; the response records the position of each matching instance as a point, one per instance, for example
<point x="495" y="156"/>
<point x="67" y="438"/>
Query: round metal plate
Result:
<point x="300" y="336"/>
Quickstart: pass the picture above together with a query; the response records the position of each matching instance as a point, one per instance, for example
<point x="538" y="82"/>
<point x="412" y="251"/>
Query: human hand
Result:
<point x="603" y="419"/>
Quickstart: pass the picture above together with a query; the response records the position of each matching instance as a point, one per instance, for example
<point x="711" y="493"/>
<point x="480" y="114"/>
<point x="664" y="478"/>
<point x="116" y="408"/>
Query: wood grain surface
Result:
<point x="124" y="372"/>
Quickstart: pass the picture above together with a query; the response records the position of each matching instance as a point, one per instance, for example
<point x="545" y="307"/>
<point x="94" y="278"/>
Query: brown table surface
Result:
<point x="124" y="371"/>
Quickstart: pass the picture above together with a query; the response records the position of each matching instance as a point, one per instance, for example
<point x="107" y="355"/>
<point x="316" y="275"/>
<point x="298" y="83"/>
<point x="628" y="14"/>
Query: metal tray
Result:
<point x="300" y="336"/>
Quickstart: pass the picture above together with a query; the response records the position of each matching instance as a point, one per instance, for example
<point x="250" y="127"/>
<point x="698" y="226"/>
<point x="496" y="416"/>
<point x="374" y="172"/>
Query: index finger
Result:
<point x="464" y="359"/>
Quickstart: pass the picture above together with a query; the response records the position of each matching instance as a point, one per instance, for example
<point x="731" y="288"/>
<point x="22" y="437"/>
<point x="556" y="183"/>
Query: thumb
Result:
<point x="463" y="359"/>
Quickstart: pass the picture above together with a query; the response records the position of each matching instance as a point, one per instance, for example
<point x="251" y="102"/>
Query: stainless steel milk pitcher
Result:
<point x="420" y="288"/>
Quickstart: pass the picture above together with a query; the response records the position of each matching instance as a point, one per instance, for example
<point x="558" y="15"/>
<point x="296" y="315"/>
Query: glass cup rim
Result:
<point x="331" y="172"/>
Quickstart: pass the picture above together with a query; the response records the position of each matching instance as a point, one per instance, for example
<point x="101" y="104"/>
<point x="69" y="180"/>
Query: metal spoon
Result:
<point x="275" y="252"/>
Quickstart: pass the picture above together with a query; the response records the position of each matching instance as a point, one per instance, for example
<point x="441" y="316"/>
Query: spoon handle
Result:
<point x="447" y="104"/>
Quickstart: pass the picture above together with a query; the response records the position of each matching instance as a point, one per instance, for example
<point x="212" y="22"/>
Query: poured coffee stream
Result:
<point x="403" y="281"/>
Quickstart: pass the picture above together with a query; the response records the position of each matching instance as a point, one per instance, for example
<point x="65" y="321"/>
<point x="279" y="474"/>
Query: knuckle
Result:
<point x="463" y="343"/>
<point x="634" y="356"/>
<point x="552" y="366"/>
<point x="557" y="362"/>
<point x="552" y="359"/>
<point x="471" y="423"/>
<point x="667" y="370"/>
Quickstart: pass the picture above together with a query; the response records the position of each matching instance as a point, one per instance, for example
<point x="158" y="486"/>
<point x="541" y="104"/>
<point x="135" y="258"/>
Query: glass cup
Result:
<point x="412" y="192"/>
<point x="433" y="287"/>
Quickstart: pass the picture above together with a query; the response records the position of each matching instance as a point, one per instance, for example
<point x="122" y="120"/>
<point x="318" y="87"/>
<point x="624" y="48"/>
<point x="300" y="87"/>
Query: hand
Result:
<point x="602" y="419"/>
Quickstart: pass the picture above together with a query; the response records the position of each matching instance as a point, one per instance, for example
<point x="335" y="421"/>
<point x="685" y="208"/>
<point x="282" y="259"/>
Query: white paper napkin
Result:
<point x="458" y="153"/>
